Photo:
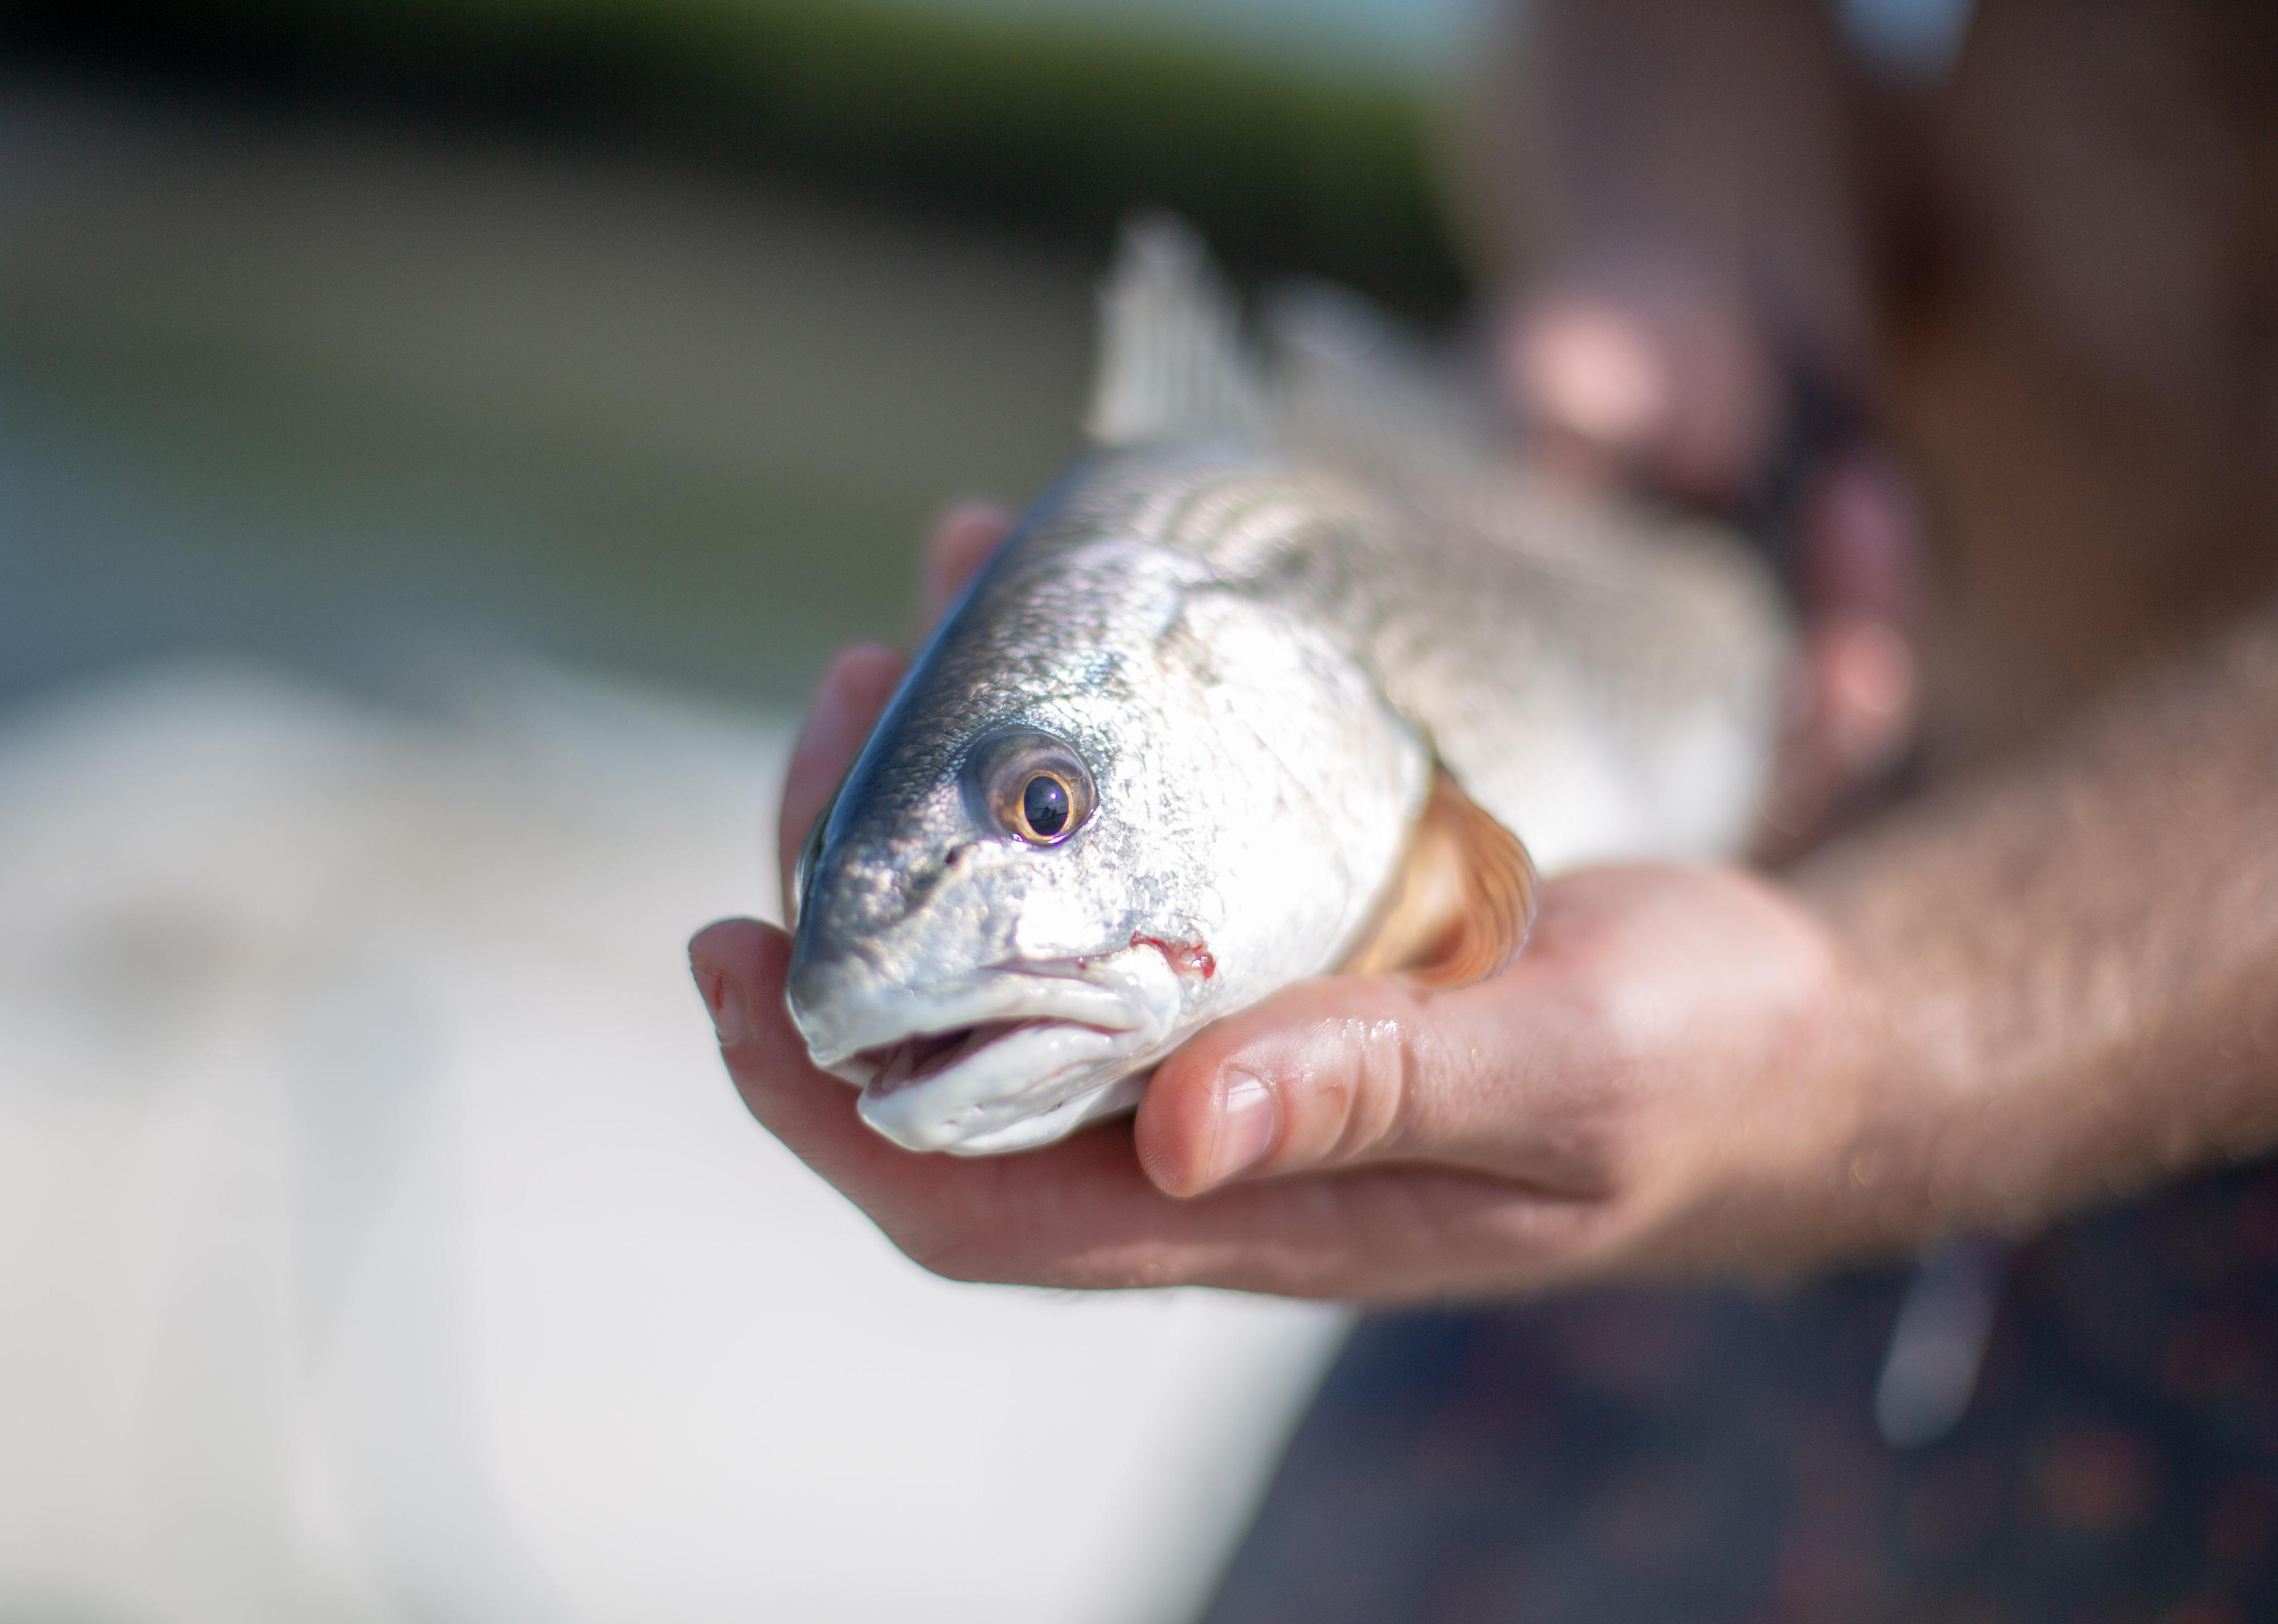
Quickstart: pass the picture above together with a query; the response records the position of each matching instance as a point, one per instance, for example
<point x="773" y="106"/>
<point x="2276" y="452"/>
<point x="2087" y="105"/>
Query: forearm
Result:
<point x="2071" y="966"/>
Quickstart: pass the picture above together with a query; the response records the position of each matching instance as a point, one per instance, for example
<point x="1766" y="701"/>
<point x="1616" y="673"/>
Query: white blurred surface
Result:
<point x="380" y="1239"/>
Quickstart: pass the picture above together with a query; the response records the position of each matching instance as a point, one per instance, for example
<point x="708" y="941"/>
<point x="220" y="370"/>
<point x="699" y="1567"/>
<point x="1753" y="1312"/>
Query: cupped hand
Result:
<point x="1657" y="1086"/>
<point x="1674" y="1077"/>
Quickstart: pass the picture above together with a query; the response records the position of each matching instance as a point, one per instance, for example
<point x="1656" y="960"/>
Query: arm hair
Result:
<point x="2074" y="960"/>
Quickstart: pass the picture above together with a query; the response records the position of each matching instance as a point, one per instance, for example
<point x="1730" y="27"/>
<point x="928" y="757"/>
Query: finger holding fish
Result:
<point x="854" y="689"/>
<point x="860" y="680"/>
<point x="1667" y="1032"/>
<point x="958" y="546"/>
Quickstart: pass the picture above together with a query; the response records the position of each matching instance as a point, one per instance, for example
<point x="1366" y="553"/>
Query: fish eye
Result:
<point x="1032" y="786"/>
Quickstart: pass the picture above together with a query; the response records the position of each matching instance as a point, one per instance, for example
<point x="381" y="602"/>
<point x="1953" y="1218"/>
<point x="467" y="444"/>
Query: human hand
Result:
<point x="1664" y="1082"/>
<point x="1672" y="1078"/>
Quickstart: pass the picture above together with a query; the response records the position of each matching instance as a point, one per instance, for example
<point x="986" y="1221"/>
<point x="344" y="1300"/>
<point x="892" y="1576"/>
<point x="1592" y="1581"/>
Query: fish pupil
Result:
<point x="1044" y="804"/>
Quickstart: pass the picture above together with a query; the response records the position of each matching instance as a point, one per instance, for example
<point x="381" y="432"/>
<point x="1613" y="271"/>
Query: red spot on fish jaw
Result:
<point x="1186" y="958"/>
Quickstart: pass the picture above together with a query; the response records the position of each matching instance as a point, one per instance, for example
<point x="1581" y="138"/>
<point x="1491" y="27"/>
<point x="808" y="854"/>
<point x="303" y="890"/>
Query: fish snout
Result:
<point x="855" y="956"/>
<point x="838" y="997"/>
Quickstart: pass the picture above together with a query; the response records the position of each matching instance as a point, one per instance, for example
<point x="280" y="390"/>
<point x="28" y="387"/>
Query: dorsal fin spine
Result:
<point x="1173" y="361"/>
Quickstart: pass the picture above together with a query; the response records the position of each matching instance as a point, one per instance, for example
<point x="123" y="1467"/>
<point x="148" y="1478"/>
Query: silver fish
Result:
<point x="1299" y="671"/>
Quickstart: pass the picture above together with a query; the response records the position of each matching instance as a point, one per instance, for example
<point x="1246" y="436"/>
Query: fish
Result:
<point x="1301" y="669"/>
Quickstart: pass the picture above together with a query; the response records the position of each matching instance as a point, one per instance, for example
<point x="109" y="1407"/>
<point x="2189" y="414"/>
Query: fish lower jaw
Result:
<point x="997" y="1087"/>
<point x="1111" y="1095"/>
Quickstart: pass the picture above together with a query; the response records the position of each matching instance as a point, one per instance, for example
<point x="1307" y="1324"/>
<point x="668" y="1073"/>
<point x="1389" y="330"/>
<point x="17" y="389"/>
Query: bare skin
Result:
<point x="2049" y="978"/>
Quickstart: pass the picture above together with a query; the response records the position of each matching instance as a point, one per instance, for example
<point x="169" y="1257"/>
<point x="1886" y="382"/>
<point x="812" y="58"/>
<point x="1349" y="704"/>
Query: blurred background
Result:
<point x="638" y="334"/>
<point x="439" y="445"/>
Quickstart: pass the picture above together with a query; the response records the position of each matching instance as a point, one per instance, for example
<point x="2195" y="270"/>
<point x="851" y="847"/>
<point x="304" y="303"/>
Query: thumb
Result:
<point x="962" y="540"/>
<point x="1334" y="1073"/>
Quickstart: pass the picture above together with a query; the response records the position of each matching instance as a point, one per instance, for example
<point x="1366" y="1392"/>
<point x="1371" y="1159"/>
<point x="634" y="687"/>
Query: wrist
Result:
<point x="1877" y="1180"/>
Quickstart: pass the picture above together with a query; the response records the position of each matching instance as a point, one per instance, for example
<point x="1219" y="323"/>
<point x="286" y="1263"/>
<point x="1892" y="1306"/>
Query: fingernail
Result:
<point x="1247" y="1118"/>
<point x="725" y="1000"/>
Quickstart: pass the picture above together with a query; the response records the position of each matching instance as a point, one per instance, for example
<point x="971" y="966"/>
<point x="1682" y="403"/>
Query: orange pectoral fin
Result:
<point x="1459" y="909"/>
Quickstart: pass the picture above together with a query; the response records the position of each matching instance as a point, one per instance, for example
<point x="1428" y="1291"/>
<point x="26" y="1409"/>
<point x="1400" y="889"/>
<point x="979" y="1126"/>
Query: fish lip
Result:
<point x="1048" y="1062"/>
<point x="1055" y="991"/>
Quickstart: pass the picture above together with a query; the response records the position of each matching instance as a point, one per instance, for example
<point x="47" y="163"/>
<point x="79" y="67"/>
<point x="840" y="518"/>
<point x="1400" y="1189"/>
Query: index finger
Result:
<point x="855" y="688"/>
<point x="962" y="540"/>
<point x="856" y="684"/>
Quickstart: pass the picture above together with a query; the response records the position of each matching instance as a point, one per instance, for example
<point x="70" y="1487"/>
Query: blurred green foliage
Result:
<point x="1043" y="126"/>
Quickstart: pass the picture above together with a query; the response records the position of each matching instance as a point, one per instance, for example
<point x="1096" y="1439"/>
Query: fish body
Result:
<point x="1182" y="741"/>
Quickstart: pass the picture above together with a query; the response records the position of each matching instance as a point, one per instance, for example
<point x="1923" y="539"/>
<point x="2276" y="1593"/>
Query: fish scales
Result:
<point x="1524" y="661"/>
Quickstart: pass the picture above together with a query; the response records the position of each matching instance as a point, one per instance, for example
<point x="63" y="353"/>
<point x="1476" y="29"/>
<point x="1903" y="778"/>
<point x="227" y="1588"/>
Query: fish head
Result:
<point x="1067" y="844"/>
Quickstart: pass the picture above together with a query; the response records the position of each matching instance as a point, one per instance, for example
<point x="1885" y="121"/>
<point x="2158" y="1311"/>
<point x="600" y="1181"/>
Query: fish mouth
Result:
<point x="1011" y="1057"/>
<point x="924" y="1055"/>
<point x="996" y="1087"/>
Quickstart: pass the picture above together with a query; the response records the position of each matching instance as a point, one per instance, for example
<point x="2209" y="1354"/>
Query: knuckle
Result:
<point x="1593" y="1000"/>
<point x="1365" y="1096"/>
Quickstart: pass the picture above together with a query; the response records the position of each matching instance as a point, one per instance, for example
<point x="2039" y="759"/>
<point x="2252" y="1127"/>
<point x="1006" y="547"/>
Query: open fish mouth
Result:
<point x="1007" y="1058"/>
<point x="989" y="1087"/>
<point x="927" y="1054"/>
